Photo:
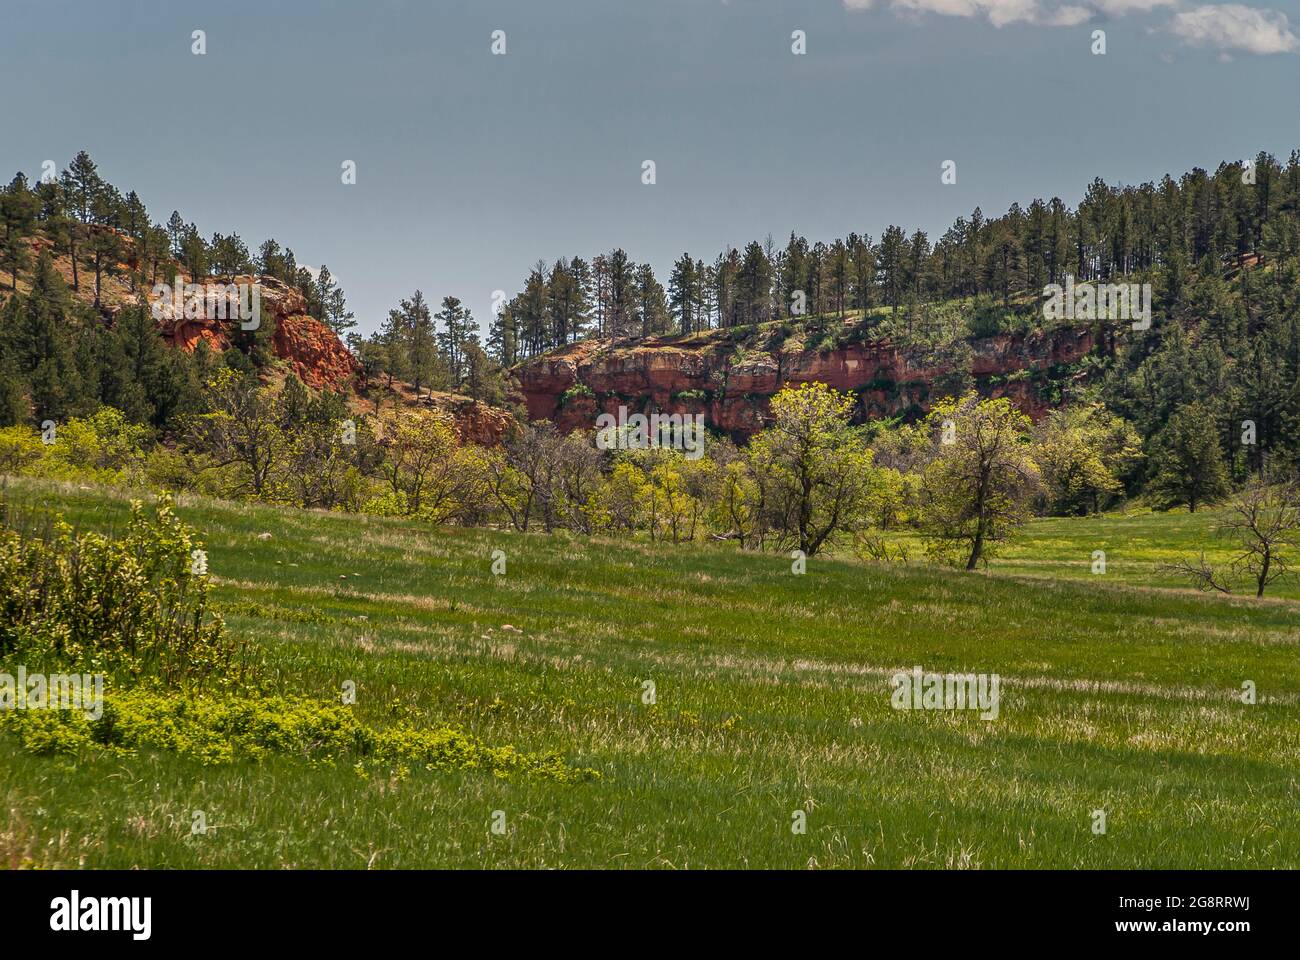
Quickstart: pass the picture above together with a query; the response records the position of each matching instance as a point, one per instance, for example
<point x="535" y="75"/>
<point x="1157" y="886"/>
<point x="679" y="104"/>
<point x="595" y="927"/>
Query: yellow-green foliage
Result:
<point x="103" y="448"/>
<point x="813" y="468"/>
<point x="223" y="729"/>
<point x="975" y="491"/>
<point x="135" y="606"/>
<point x="1084" y="453"/>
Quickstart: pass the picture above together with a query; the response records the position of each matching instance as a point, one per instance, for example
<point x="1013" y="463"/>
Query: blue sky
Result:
<point x="471" y="167"/>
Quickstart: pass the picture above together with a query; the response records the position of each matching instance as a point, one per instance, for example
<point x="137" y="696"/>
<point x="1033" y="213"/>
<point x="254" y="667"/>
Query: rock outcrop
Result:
<point x="475" y="422"/>
<point x="707" y="374"/>
<point x="311" y="349"/>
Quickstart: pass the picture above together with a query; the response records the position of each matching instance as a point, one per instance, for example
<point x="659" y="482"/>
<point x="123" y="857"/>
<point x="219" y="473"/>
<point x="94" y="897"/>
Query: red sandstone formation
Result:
<point x="475" y="422"/>
<point x="703" y="375"/>
<point x="312" y="350"/>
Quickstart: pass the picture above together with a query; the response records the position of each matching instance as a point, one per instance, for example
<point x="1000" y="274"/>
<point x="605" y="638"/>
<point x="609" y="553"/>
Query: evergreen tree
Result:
<point x="456" y="326"/>
<point x="622" y="294"/>
<point x="682" y="293"/>
<point x="420" y="341"/>
<point x="333" y="302"/>
<point x="1188" y="461"/>
<point x="39" y="334"/>
<point x="18" y="209"/>
<point x="105" y="244"/>
<point x="651" y="302"/>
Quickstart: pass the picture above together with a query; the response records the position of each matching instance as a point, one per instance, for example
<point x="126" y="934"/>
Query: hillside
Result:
<point x="770" y="696"/>
<point x="301" y="345"/>
<point x="309" y="348"/>
<point x="729" y="375"/>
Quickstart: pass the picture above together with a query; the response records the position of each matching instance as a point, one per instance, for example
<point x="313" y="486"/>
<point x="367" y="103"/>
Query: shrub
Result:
<point x="575" y="392"/>
<point x="137" y="606"/>
<point x="20" y="448"/>
<point x="105" y="443"/>
<point x="226" y="729"/>
<point x="105" y="447"/>
<point x="167" y="469"/>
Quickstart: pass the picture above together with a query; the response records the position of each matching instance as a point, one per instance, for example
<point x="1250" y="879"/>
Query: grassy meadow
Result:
<point x="1138" y="544"/>
<point x="1119" y="693"/>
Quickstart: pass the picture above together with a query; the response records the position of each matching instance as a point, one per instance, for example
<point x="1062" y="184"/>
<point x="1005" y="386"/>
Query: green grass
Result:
<point x="1138" y="545"/>
<point x="772" y="695"/>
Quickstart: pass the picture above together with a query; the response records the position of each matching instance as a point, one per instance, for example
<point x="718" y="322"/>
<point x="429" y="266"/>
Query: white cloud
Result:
<point x="997" y="12"/>
<point x="1232" y="26"/>
<point x="1117" y="8"/>
<point x="1227" y="27"/>
<point x="1067" y="16"/>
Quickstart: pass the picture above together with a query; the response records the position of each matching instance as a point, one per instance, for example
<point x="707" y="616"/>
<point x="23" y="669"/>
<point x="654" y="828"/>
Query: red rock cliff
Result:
<point x="706" y="375"/>
<point x="312" y="350"/>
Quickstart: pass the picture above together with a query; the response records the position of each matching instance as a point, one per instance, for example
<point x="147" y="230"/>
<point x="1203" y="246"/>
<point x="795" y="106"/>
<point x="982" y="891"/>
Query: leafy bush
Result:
<point x="224" y="729"/>
<point x="105" y="443"/>
<point x="575" y="392"/>
<point x="104" y="447"/>
<point x="167" y="469"/>
<point x="20" y="448"/>
<point x="137" y="606"/>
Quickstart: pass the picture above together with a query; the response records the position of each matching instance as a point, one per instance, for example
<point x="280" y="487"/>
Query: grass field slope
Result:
<point x="738" y="714"/>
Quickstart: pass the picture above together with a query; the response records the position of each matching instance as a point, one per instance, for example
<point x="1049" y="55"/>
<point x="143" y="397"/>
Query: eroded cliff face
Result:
<point x="312" y="350"/>
<point x="707" y="375"/>
<point x="475" y="422"/>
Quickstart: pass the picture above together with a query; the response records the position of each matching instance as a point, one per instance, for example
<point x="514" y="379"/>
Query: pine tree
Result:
<point x="682" y="293"/>
<point x="334" y="303"/>
<point x="39" y="337"/>
<point x="753" y="284"/>
<point x="622" y="294"/>
<point x="892" y="252"/>
<point x="176" y="234"/>
<point x="456" y="324"/>
<point x="194" y="253"/>
<point x="651" y="303"/>
<point x="580" y="315"/>
<point x="394" y="341"/>
<point x="18" y="209"/>
<point x="421" y="343"/>
<point x="105" y="244"/>
<point x="1188" y="461"/>
<point x="503" y="340"/>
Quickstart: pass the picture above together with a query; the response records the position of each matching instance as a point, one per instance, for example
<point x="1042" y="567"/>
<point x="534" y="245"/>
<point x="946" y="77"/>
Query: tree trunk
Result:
<point x="977" y="547"/>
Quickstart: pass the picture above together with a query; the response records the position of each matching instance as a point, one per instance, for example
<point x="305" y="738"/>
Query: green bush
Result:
<point x="224" y="729"/>
<point x="575" y="392"/>
<point x="135" y="607"/>
<point x="20" y="449"/>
